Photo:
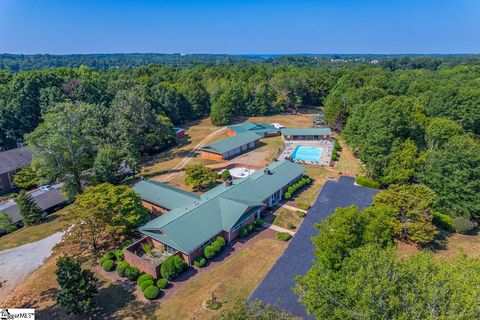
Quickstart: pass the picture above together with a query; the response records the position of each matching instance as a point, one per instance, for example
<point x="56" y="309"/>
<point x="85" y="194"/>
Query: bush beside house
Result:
<point x="304" y="181"/>
<point x="172" y="267"/>
<point x="214" y="248"/>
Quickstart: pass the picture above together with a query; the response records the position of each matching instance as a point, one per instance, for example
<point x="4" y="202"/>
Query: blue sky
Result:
<point x="239" y="27"/>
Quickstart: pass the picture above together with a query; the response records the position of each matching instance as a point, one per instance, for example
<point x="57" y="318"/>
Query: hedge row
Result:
<point x="172" y="267"/>
<point x="214" y="248"/>
<point x="367" y="182"/>
<point x="246" y="230"/>
<point x="336" y="148"/>
<point x="305" y="180"/>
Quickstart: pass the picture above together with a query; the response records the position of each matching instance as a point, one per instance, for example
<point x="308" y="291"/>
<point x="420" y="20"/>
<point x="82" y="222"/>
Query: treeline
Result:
<point x="82" y="118"/>
<point x="20" y="62"/>
<point x="415" y="126"/>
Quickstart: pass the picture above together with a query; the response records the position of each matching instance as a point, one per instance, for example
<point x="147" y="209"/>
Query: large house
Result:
<point x="231" y="147"/>
<point x="306" y="133"/>
<point x="262" y="129"/>
<point x="189" y="222"/>
<point x="10" y="162"/>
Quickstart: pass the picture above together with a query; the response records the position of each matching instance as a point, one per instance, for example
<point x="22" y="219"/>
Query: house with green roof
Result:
<point x="197" y="220"/>
<point x="231" y="146"/>
<point x="262" y="129"/>
<point x="306" y="133"/>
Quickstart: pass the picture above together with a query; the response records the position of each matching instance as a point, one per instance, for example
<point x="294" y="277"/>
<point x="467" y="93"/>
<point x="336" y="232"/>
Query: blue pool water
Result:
<point x="307" y="153"/>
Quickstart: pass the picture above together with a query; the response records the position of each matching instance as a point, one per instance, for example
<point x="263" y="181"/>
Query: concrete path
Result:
<point x="286" y="206"/>
<point x="17" y="263"/>
<point x="167" y="177"/>
<point x="277" y="228"/>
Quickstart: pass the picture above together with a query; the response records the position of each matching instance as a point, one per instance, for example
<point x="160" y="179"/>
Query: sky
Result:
<point x="240" y="27"/>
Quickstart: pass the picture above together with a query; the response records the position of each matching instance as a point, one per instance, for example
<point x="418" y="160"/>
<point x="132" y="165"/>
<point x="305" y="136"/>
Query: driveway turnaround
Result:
<point x="276" y="287"/>
<point x="17" y="263"/>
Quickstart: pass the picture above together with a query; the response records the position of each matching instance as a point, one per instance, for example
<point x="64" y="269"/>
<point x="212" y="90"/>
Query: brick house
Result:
<point x="12" y="161"/>
<point x="223" y="210"/>
<point x="231" y="147"/>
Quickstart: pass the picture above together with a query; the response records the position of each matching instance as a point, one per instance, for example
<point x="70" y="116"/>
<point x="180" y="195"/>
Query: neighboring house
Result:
<point x="46" y="200"/>
<point x="306" y="133"/>
<point x="262" y="129"/>
<point x="179" y="132"/>
<point x="198" y="220"/>
<point x="230" y="147"/>
<point x="10" y="162"/>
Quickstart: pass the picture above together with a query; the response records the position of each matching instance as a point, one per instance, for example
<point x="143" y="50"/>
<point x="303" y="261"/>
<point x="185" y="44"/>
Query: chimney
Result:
<point x="266" y="170"/>
<point x="228" y="182"/>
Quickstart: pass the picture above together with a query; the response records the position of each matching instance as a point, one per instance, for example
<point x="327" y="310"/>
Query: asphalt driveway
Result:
<point x="276" y="287"/>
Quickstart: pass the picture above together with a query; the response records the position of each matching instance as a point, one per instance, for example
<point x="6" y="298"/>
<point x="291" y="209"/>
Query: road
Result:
<point x="17" y="263"/>
<point x="167" y="177"/>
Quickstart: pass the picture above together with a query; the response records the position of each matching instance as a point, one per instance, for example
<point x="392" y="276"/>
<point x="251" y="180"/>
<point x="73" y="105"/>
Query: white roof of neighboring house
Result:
<point x="44" y="199"/>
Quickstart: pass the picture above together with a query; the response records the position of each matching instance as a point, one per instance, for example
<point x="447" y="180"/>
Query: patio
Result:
<point x="325" y="145"/>
<point x="146" y="255"/>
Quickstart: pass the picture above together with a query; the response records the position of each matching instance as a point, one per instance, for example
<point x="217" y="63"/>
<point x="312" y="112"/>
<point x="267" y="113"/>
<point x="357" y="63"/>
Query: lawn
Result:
<point x="319" y="175"/>
<point x="347" y="161"/>
<point x="56" y="222"/>
<point x="283" y="217"/>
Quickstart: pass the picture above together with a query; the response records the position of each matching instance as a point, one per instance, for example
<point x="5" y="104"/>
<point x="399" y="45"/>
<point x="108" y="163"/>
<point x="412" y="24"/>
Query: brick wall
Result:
<point x="230" y="132"/>
<point x="154" y="208"/>
<point x="212" y="156"/>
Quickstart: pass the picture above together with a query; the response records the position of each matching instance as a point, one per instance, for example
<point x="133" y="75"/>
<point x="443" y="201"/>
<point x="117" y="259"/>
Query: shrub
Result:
<point x="367" y="182"/>
<point x="199" y="262"/>
<point x="462" y="225"/>
<point x="259" y="222"/>
<point x="226" y="175"/>
<point x="172" y="267"/>
<point x="163" y="283"/>
<point x="303" y="206"/>
<point x="151" y="292"/>
<point x="300" y="214"/>
<point x="291" y="226"/>
<point x="442" y="221"/>
<point x="214" y="248"/>
<point x="144" y="277"/>
<point x="290" y="189"/>
<point x="122" y="267"/>
<point x="145" y="284"/>
<point x="108" y="265"/>
<point x="132" y="273"/>
<point x="283" y="236"/>
<point x="119" y="255"/>
<point x="107" y="256"/>
<point x="287" y="196"/>
<point x="250" y="228"/>
<point x="209" y="251"/>
<point x="220" y="241"/>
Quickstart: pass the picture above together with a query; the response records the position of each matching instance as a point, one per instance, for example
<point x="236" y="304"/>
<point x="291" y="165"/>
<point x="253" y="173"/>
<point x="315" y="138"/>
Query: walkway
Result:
<point x="167" y="177"/>
<point x="289" y="207"/>
<point x="17" y="263"/>
<point x="277" y="228"/>
<point x="276" y="287"/>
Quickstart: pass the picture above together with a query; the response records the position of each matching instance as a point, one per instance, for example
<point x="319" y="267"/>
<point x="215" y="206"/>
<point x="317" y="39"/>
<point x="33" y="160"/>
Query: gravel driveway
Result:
<point x="17" y="263"/>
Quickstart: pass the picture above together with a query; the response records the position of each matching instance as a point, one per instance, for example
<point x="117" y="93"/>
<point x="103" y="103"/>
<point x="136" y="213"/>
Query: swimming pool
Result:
<point x="307" y="153"/>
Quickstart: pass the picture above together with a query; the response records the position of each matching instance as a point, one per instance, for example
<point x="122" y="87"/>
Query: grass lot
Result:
<point x="56" y="222"/>
<point x="250" y="265"/>
<point x="347" y="161"/>
<point x="319" y="175"/>
<point x="455" y="244"/>
<point x="284" y="217"/>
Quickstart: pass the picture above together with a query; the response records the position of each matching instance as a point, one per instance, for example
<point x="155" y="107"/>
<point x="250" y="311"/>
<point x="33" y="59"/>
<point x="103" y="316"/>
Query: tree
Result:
<point x="226" y="175"/>
<point x="243" y="310"/>
<point x="223" y="110"/>
<point x="29" y="210"/>
<point x="106" y="211"/>
<point x="200" y="177"/>
<point x="412" y="207"/>
<point x="440" y="130"/>
<point x="107" y="165"/>
<point x="373" y="283"/>
<point x="26" y="178"/>
<point x="168" y="100"/>
<point x="453" y="172"/>
<point x="403" y="164"/>
<point x="62" y="146"/>
<point x="6" y="223"/>
<point x="78" y="286"/>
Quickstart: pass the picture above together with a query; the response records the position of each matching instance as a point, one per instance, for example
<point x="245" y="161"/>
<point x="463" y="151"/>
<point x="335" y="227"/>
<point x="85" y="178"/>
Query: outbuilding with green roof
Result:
<point x="231" y="146"/>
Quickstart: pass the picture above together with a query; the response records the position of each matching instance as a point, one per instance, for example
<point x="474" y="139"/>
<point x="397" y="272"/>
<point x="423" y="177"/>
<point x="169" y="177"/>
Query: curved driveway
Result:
<point x="17" y="263"/>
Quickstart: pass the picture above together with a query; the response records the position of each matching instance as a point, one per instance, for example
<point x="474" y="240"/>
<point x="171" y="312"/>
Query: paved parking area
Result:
<point x="276" y="287"/>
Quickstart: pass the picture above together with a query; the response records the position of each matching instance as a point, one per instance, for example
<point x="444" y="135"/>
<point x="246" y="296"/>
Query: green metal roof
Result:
<point x="164" y="195"/>
<point x="189" y="226"/>
<point x="225" y="145"/>
<point x="255" y="127"/>
<point x="306" y="131"/>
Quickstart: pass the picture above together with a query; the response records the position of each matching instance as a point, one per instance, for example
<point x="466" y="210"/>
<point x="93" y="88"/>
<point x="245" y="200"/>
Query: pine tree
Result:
<point x="29" y="210"/>
<point x="77" y="286"/>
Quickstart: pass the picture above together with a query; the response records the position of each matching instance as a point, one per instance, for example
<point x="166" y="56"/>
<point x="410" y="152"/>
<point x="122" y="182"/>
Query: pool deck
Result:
<point x="325" y="145"/>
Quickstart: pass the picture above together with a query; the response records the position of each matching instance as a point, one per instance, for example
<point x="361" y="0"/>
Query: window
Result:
<point x="169" y="249"/>
<point x="206" y="243"/>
